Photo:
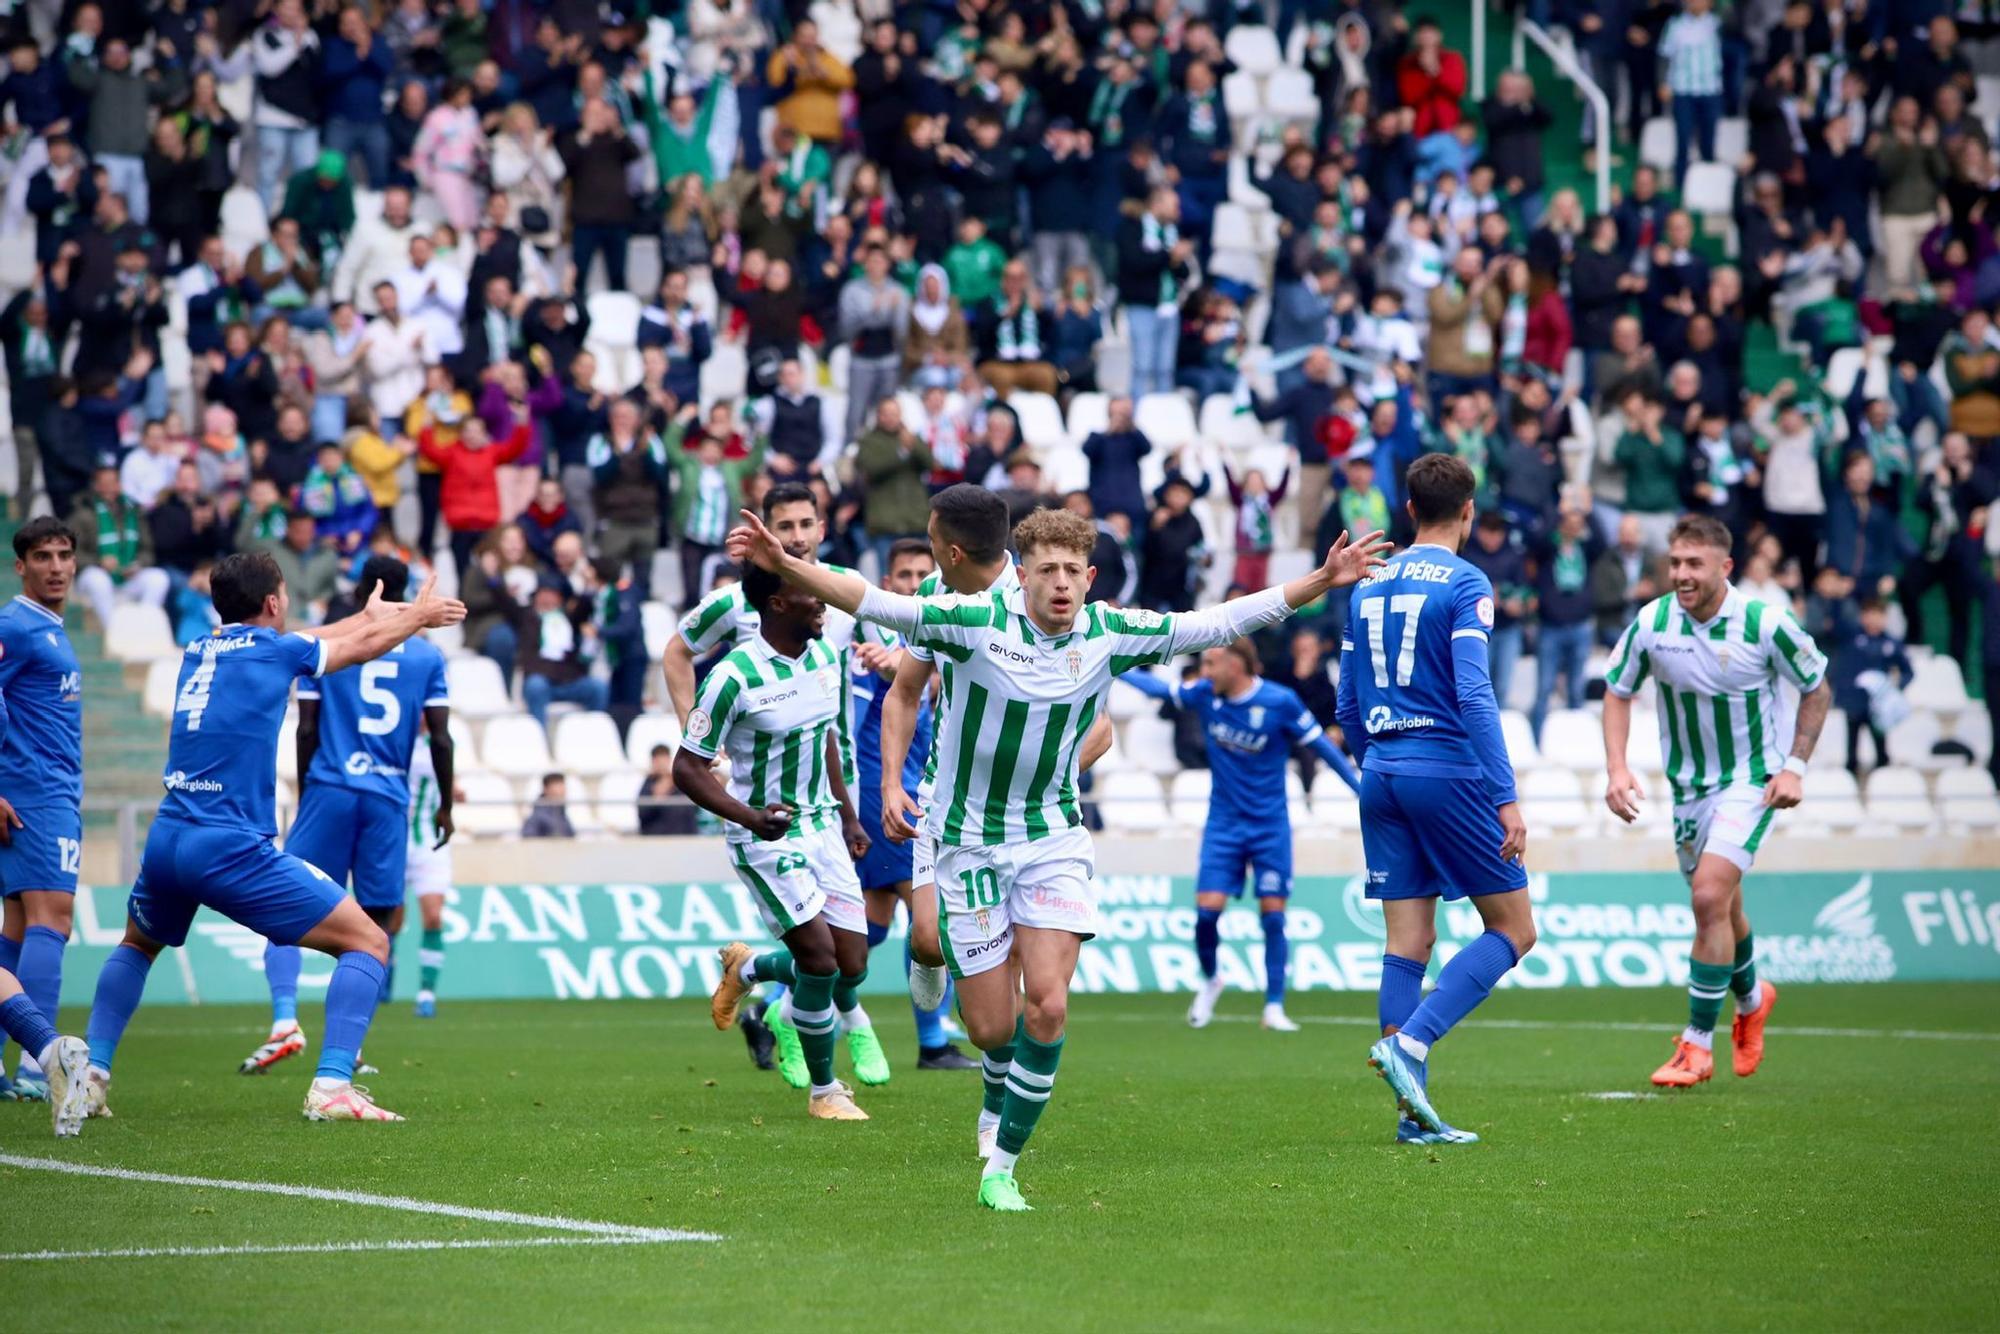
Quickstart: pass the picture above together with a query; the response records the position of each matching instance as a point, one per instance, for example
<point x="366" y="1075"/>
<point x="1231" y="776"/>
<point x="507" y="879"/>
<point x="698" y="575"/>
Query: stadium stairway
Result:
<point x="123" y="749"/>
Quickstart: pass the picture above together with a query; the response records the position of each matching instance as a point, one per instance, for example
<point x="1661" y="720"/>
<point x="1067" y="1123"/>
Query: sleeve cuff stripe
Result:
<point x="1479" y="635"/>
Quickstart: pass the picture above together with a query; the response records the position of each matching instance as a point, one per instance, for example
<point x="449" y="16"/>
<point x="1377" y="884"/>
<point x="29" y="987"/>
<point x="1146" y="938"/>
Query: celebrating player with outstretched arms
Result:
<point x="1015" y="866"/>
<point x="211" y="845"/>
<point x="1718" y="656"/>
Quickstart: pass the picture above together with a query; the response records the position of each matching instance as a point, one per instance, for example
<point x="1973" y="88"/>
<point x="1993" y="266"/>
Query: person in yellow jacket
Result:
<point x="443" y="407"/>
<point x="379" y="461"/>
<point x="812" y="79"/>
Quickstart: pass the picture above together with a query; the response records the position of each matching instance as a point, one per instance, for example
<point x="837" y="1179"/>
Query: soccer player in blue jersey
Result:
<point x="41" y="777"/>
<point x="211" y="846"/>
<point x="358" y="730"/>
<point x="1439" y="817"/>
<point x="66" y="1060"/>
<point x="886" y="872"/>
<point x="1252" y="726"/>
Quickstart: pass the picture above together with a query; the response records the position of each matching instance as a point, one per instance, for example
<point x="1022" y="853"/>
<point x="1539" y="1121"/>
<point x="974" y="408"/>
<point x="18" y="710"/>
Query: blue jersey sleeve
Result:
<point x="304" y="655"/>
<point x="1147" y="684"/>
<point x="1479" y="711"/>
<point x="14" y="649"/>
<point x="1193" y="694"/>
<point x="1346" y="706"/>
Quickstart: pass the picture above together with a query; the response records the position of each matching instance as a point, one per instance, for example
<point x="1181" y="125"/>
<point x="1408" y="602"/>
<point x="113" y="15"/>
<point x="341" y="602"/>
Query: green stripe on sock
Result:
<point x="1708" y="983"/>
<point x="432" y="946"/>
<point x="1030" y="1080"/>
<point x="812" y="994"/>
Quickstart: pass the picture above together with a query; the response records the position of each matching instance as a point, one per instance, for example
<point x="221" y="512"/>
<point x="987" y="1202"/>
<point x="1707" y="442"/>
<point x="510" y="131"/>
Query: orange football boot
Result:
<point x="1746" y="1034"/>
<point x="1689" y="1066"/>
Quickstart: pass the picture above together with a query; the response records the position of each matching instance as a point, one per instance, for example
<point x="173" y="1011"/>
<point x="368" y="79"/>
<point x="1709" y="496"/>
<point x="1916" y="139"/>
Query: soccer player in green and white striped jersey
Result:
<point x="427" y="871"/>
<point x="724" y="619"/>
<point x="773" y="705"/>
<point x="1720" y="659"/>
<point x="1015" y="866"/>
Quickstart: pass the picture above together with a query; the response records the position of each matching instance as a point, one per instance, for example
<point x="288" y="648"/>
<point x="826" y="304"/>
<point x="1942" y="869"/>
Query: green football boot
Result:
<point x="871" y="1063"/>
<point x="791" y="1056"/>
<point x="998" y="1192"/>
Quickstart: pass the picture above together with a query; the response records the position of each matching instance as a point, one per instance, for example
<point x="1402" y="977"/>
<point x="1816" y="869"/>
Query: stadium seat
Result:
<point x="1289" y="97"/>
<point x="647" y="731"/>
<point x="1520" y="740"/>
<point x="1149" y="744"/>
<point x="1642" y="746"/>
<point x="1191" y="785"/>
<point x="1550" y="784"/>
<point x="516" y="747"/>
<point x="1166" y="420"/>
<point x="1711" y="189"/>
<point x="1088" y="414"/>
<point x="725" y="374"/>
<point x="477" y="689"/>
<point x="1911" y="742"/>
<point x="1222" y="425"/>
<point x="162" y="682"/>
<point x="1833" y="799"/>
<point x="1039" y="418"/>
<point x="1328" y="791"/>
<point x="614" y="319"/>
<point x="244" y="224"/>
<point x="490" y="806"/>
<point x="1242" y="187"/>
<point x="1132" y="801"/>
<point x="1974" y="731"/>
<point x="617" y="794"/>
<point x="1898" y="798"/>
<point x="1241" y="98"/>
<point x="1971" y="815"/>
<point x="1960" y="784"/>
<point x="587" y="744"/>
<point x="1234" y="228"/>
<point x="1732" y="140"/>
<point x="1937" y="684"/>
<point x="1831" y="752"/>
<point x="139" y="633"/>
<point x="1128" y="701"/>
<point x="1657" y="143"/>
<point x="1064" y="467"/>
<point x="656" y="622"/>
<point x="1843" y="371"/>
<point x="1574" y="739"/>
<point x="464" y="752"/>
<point x="1253" y="49"/>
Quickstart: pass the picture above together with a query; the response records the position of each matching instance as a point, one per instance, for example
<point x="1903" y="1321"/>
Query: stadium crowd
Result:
<point x="328" y="279"/>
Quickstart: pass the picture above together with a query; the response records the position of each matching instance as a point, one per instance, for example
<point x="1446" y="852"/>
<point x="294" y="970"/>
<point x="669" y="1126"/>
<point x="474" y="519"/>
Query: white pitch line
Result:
<point x="547" y="1222"/>
<point x="322" y="1248"/>
<point x="1611" y="1026"/>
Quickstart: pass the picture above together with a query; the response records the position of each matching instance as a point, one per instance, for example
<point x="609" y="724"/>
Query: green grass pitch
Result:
<point x="1225" y="1179"/>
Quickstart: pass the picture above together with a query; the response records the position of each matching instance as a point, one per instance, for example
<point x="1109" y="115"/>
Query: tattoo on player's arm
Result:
<point x="1812" y="718"/>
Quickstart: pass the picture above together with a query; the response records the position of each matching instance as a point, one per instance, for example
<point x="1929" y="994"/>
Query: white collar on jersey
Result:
<point x="27" y="601"/>
<point x="1730" y="599"/>
<point x="769" y="651"/>
<point x="1248" y="691"/>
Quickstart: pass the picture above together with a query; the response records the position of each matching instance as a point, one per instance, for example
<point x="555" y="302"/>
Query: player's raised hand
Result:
<point x="1349" y="562"/>
<point x="433" y="611"/>
<point x="1785" y="790"/>
<point x="751" y="541"/>
<point x="899" y="814"/>
<point x="1623" y="795"/>
<point x="1513" y="833"/>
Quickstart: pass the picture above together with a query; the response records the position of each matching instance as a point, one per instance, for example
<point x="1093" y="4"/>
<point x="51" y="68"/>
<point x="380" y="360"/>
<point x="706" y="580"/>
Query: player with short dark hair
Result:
<point x="1439" y="815"/>
<point x="1719" y="659"/>
<point x="357" y="732"/>
<point x="1251" y="726"/>
<point x="773" y="704"/>
<point x="212" y="844"/>
<point x="41" y="778"/>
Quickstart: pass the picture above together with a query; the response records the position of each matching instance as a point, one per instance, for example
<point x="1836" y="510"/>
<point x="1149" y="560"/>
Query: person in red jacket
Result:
<point x="1431" y="80"/>
<point x="1549" y="334"/>
<point x="470" y="494"/>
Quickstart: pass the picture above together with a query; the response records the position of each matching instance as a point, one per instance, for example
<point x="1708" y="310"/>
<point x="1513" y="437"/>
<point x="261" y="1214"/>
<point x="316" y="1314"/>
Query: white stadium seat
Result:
<point x="464" y="753"/>
<point x="656" y="621"/>
<point x="647" y="731"/>
<point x="1289" y="96"/>
<point x="587" y="744"/>
<point x="1964" y="783"/>
<point x="1253" y="48"/>
<point x="1520" y="740"/>
<point x="1039" y="418"/>
<point x="516" y="747"/>
<point x="490" y="805"/>
<point x="1241" y="97"/>
<point x="139" y="633"/>
<point x="162" y="683"/>
<point x="1574" y="739"/>
<point x="1938" y="685"/>
<point x="1711" y="189"/>
<point x="477" y="689"/>
<point x="1898" y="798"/>
<point x="1971" y="815"/>
<point x="1149" y="744"/>
<point x="614" y="319"/>
<point x="1166" y="420"/>
<point x="1133" y="801"/>
<point x="1089" y="413"/>
<point x="616" y="798"/>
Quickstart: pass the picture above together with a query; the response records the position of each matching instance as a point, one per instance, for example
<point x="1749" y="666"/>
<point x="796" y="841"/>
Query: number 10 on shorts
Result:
<point x="981" y="886"/>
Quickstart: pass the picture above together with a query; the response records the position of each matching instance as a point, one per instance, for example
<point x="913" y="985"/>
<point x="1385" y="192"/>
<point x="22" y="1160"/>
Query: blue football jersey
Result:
<point x="1423" y="704"/>
<point x="41" y="750"/>
<point x="222" y="750"/>
<point x="868" y="693"/>
<point x="1250" y="741"/>
<point x="370" y="716"/>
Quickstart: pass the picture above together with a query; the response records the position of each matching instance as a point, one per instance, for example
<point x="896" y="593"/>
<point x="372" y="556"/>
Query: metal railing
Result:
<point x="1561" y="53"/>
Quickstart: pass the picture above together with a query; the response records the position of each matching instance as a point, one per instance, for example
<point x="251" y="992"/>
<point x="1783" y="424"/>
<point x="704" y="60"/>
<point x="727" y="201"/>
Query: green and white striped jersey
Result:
<point x="933" y="586"/>
<point x="423" y="797"/>
<point x="1720" y="723"/>
<point x="1018" y="703"/>
<point x="772" y="715"/>
<point x="724" y="618"/>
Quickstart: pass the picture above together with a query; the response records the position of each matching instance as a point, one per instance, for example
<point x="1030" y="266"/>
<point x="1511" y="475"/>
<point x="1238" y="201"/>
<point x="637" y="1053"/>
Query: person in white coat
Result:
<point x="430" y="291"/>
<point x="395" y="362"/>
<point x="377" y="248"/>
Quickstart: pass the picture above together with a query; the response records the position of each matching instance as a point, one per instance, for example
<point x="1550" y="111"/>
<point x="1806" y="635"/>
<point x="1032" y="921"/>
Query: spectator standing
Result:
<point x="375" y="251"/>
<point x="337" y="355"/>
<point x="394" y="362"/>
<point x="1465" y="309"/>
<point x="1505" y="565"/>
<point x="812" y="80"/>
<point x="449" y="154"/>
<point x="1953" y="501"/>
<point x="1651" y="454"/>
<point x="1114" y="454"/>
<point x="311" y="569"/>
<point x="1152" y="271"/>
<point x="1621" y="581"/>
<point x="1515" y="125"/>
<point x="1059" y="173"/>
<point x="1173" y="554"/>
<point x="1691" y="80"/>
<point x="120" y="114"/>
<point x="1256" y="502"/>
<point x="470" y="493"/>
<point x="678" y="327"/>
<point x="1913" y="172"/>
<point x="937" y="346"/>
<point x="1869" y="652"/>
<point x="894" y="462"/>
<point x="558" y="644"/>
<point x="286" y="56"/>
<point x="709" y="489"/>
<point x="189" y="529"/>
<point x="1792" y="448"/>
<point x="114" y="550"/>
<point x="339" y="501"/>
<point x="1563" y="610"/>
<point x="1865" y="541"/>
<point x="33" y="351"/>
<point x="628" y="463"/>
<point x="1431" y="80"/>
<point x="355" y="68"/>
<point x="873" y="314"/>
<point x="1017" y="357"/>
<point x="595" y="156"/>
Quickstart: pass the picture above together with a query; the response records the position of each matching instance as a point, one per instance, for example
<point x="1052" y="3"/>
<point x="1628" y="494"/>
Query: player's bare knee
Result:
<point x="54" y="911"/>
<point x="1713" y="899"/>
<point x="140" y="941"/>
<point x="925" y="947"/>
<point x="1047" y="1016"/>
<point x="372" y="941"/>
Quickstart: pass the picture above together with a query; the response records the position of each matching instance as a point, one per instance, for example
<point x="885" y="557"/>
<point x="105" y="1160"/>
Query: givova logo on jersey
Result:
<point x="1843" y="946"/>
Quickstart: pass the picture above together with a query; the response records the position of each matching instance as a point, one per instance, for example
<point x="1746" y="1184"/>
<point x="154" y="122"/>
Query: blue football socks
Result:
<point x="120" y="984"/>
<point x="41" y="968"/>
<point x="1465" y="982"/>
<point x="1402" y="988"/>
<point x="281" y="971"/>
<point x="22" y="1020"/>
<point x="10" y="960"/>
<point x="351" y="997"/>
<point x="1277" y="953"/>
<point x="1207" y="938"/>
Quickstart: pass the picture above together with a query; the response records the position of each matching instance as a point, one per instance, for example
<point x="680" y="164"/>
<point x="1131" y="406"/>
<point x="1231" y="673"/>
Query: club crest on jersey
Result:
<point x="698" y="724"/>
<point x="1485" y="612"/>
<point x="1256" y="717"/>
<point x="1722" y="655"/>
<point x="1073" y="664"/>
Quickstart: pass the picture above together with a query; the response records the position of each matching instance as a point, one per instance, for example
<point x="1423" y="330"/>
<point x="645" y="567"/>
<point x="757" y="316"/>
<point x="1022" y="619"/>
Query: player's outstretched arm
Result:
<point x="677" y="666"/>
<point x="1147" y="684"/>
<point x="899" y="728"/>
<point x="1322" y="746"/>
<point x="753" y="542"/>
<point x="387" y="624"/>
<point x="1346" y="563"/>
<point x="1787" y="787"/>
<point x="1622" y="792"/>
